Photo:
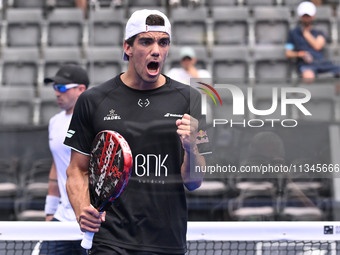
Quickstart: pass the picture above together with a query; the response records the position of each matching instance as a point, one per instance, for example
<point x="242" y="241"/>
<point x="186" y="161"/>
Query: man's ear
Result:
<point x="127" y="49"/>
<point x="82" y="87"/>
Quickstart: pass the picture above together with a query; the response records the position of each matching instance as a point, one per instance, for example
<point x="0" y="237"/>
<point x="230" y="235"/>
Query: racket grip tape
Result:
<point x="86" y="243"/>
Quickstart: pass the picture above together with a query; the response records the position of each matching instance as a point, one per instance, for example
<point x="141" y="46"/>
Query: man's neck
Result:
<point x="133" y="81"/>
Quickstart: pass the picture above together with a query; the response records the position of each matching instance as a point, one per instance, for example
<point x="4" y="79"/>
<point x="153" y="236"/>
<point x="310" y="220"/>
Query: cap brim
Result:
<point x="306" y="13"/>
<point x="58" y="80"/>
<point x="187" y="56"/>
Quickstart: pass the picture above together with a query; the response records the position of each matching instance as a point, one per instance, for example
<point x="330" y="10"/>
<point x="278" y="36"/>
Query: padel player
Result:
<point x="69" y="82"/>
<point x="160" y="118"/>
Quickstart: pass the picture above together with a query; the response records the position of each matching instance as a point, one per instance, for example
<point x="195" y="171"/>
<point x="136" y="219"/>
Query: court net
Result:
<point x="204" y="238"/>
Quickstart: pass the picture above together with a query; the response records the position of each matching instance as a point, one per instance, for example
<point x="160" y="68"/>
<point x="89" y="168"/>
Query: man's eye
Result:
<point x="146" y="42"/>
<point x="164" y="43"/>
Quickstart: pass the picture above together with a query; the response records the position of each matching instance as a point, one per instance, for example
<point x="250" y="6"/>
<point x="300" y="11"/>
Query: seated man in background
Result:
<point x="306" y="44"/>
<point x="188" y="69"/>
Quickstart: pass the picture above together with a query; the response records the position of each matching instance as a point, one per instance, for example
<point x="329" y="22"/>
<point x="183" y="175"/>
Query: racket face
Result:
<point x="109" y="168"/>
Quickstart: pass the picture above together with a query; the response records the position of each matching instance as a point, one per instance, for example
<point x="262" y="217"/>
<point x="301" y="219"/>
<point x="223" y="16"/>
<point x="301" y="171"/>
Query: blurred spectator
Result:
<point x="188" y="69"/>
<point x="82" y="4"/>
<point x="305" y="43"/>
<point x="116" y="3"/>
<point x="317" y="2"/>
<point x="176" y="3"/>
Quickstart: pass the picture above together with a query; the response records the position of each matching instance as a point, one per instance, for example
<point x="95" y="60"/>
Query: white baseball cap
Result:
<point x="187" y="52"/>
<point x="306" y="8"/>
<point x="137" y="24"/>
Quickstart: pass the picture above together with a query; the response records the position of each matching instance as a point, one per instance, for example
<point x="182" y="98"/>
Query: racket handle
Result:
<point x="86" y="243"/>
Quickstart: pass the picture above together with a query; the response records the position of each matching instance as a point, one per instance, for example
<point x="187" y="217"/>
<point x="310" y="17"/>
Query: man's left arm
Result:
<point x="187" y="130"/>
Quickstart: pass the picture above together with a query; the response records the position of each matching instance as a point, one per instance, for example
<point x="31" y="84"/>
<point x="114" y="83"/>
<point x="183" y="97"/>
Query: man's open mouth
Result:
<point x="153" y="67"/>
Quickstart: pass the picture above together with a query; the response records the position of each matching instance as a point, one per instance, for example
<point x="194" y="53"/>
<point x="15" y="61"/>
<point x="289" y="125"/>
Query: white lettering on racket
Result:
<point x="143" y="164"/>
<point x="100" y="141"/>
<point x="104" y="167"/>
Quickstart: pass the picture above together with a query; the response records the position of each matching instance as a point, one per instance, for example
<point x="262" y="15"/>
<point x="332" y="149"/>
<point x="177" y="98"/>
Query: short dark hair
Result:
<point x="154" y="20"/>
<point x="151" y="20"/>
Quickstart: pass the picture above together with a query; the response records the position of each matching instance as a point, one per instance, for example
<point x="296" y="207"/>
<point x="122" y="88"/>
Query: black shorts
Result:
<point x="321" y="67"/>
<point x="61" y="247"/>
<point x="101" y="248"/>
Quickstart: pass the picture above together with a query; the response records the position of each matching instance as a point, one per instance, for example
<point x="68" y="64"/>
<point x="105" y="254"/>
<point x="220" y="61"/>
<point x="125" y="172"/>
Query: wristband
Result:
<point x="51" y="204"/>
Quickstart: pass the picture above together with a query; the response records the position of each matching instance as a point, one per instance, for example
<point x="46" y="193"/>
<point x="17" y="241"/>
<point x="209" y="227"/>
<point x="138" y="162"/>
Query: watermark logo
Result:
<point x="209" y="90"/>
<point x="244" y="104"/>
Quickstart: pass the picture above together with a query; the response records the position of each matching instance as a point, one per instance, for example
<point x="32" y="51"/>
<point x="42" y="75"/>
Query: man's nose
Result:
<point x="155" y="50"/>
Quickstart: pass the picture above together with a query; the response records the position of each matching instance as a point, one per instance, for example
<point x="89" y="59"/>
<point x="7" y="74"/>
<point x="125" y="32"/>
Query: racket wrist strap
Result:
<point x="51" y="204"/>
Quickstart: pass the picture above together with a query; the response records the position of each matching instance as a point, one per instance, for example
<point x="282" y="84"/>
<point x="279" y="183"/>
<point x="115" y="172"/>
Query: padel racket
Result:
<point x="109" y="172"/>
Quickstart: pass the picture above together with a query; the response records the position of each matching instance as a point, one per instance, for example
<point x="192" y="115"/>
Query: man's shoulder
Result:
<point x="174" y="84"/>
<point x="317" y="32"/>
<point x="58" y="115"/>
<point x="101" y="90"/>
<point x="103" y="87"/>
<point x="58" y="118"/>
<point x="295" y="30"/>
<point x="182" y="88"/>
<point x="298" y="31"/>
<point x="204" y="73"/>
<point x="175" y="69"/>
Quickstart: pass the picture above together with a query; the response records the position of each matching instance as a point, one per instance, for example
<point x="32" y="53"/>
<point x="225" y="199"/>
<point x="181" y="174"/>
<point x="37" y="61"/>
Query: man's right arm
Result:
<point x="290" y="49"/>
<point x="53" y="195"/>
<point x="317" y="42"/>
<point x="295" y="54"/>
<point x="291" y="53"/>
<point x="77" y="188"/>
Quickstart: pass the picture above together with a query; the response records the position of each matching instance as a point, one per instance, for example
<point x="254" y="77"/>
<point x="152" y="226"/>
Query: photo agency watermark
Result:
<point x="237" y="106"/>
<point x="269" y="131"/>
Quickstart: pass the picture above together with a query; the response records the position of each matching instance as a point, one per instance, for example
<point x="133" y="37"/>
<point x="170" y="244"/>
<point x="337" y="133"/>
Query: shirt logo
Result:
<point x="112" y="115"/>
<point x="70" y="133"/>
<point x="202" y="137"/>
<point x="143" y="103"/>
<point x="173" y="115"/>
